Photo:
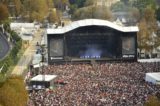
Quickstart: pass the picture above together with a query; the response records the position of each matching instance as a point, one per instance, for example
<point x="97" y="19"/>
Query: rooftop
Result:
<point x="46" y="78"/>
<point x="91" y="22"/>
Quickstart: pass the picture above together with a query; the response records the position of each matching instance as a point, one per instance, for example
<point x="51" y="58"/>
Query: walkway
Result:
<point x="27" y="56"/>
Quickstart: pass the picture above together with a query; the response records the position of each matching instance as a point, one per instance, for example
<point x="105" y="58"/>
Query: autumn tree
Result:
<point x="142" y="35"/>
<point x="147" y="36"/>
<point x="50" y="3"/>
<point x="152" y="101"/>
<point x="3" y="12"/>
<point x="53" y="16"/>
<point x="13" y="92"/>
<point x="18" y="7"/>
<point x="36" y="9"/>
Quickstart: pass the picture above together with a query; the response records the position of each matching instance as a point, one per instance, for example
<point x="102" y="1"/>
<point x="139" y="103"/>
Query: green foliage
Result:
<point x="90" y="2"/>
<point x="158" y="14"/>
<point x="12" y="57"/>
<point x="142" y="4"/>
<point x="97" y="12"/>
<point x="78" y="3"/>
<point x="119" y="6"/>
<point x="12" y="92"/>
<point x="125" y="1"/>
<point x="73" y="8"/>
<point x="6" y="24"/>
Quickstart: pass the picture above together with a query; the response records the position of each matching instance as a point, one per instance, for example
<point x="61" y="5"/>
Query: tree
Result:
<point x="12" y="92"/>
<point x="79" y="3"/>
<point x="90" y="2"/>
<point x="38" y="9"/>
<point x="158" y="14"/>
<point x="18" y="7"/>
<point x="97" y="12"/>
<point x="147" y="36"/>
<point x="142" y="4"/>
<point x="125" y="1"/>
<point x="135" y="14"/>
<point x="53" y="17"/>
<point x="50" y="3"/>
<point x="73" y="8"/>
<point x="3" y="12"/>
<point x="152" y="101"/>
<point x="61" y="4"/>
<point x="142" y="35"/>
<point x="119" y="6"/>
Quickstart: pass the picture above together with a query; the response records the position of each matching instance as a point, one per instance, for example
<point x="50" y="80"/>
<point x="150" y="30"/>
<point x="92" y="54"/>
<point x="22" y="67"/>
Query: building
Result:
<point x="89" y="39"/>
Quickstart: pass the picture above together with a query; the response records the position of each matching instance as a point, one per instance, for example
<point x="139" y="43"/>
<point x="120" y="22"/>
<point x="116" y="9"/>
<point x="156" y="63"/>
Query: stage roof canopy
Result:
<point x="91" y="22"/>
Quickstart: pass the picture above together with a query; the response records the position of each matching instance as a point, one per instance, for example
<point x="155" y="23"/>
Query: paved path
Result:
<point x="27" y="56"/>
<point x="4" y="46"/>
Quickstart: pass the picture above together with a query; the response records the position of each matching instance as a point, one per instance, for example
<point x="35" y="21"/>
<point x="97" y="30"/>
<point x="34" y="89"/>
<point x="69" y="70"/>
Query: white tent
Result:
<point x="41" y="81"/>
<point x="37" y="58"/>
<point x="153" y="78"/>
<point x="148" y="60"/>
<point x="44" y="78"/>
<point x="14" y="26"/>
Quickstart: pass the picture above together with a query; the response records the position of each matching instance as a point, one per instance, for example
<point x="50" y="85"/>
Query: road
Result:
<point x="28" y="54"/>
<point x="4" y="47"/>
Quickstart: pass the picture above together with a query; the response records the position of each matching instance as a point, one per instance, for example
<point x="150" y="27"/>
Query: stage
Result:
<point x="92" y="39"/>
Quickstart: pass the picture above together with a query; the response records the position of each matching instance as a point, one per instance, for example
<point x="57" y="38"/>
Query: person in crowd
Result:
<point x="107" y="84"/>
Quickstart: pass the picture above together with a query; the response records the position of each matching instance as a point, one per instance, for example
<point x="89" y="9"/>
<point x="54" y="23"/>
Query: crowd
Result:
<point x="99" y="84"/>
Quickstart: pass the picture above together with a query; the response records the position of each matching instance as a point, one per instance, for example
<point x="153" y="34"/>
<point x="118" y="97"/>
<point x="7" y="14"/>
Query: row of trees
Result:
<point x="96" y="12"/>
<point x="29" y="10"/>
<point x="12" y="88"/>
<point x="87" y="9"/>
<point x="12" y="57"/>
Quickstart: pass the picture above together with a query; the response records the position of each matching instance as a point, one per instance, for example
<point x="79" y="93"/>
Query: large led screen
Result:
<point x="56" y="47"/>
<point x="128" y="45"/>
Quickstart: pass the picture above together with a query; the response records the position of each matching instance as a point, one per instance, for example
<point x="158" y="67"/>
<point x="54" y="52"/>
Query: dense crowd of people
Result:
<point x="98" y="84"/>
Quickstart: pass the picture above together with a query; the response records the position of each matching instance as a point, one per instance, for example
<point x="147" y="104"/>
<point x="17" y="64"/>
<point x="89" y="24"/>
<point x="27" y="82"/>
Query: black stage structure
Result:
<point x="92" y="39"/>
